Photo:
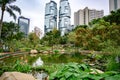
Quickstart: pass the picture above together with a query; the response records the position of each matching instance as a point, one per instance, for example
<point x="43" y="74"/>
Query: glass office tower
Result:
<point x="50" y="16"/>
<point x="64" y="17"/>
<point x="24" y="25"/>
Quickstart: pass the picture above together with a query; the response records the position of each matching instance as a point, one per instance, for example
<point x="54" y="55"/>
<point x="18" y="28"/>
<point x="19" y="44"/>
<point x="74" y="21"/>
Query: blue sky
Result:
<point x="34" y="9"/>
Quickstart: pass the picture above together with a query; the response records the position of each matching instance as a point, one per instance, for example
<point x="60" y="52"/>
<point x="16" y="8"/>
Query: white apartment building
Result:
<point x="84" y="16"/>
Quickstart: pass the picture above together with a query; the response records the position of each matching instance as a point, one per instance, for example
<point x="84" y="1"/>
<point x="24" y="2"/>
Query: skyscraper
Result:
<point x="24" y="25"/>
<point x="64" y="16"/>
<point x="84" y="16"/>
<point x="50" y="16"/>
<point x="114" y="5"/>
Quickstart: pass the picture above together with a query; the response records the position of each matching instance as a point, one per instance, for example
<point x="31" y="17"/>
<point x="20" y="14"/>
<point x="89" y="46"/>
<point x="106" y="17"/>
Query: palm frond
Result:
<point x="7" y="1"/>
<point x="15" y="8"/>
<point x="10" y="1"/>
<point x="11" y="12"/>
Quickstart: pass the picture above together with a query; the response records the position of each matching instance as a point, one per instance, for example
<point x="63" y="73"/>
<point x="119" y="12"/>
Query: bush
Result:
<point x="21" y="67"/>
<point x="25" y="49"/>
<point x="1" y="50"/>
<point x="113" y="61"/>
<point x="112" y="65"/>
<point x="56" y="51"/>
<point x="74" y="71"/>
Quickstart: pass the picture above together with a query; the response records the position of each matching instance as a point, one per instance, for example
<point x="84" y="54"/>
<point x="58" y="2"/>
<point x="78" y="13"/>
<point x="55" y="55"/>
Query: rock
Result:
<point x="34" y="51"/>
<point x="62" y="51"/>
<point x="45" y="52"/>
<point x="16" y="76"/>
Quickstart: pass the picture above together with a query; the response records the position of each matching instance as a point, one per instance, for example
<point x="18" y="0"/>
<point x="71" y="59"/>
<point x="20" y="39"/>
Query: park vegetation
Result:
<point x="100" y="36"/>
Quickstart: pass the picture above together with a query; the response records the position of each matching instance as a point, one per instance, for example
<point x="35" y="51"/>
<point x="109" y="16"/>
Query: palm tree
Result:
<point x="5" y="6"/>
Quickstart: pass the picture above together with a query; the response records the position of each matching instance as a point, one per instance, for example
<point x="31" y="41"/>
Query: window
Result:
<point x="66" y="8"/>
<point x="51" y="9"/>
<point x="51" y="23"/>
<point x="65" y="22"/>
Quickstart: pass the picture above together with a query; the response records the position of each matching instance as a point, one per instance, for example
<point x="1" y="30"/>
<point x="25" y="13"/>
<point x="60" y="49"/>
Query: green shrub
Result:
<point x="75" y="71"/>
<point x="1" y="50"/>
<point x="5" y="69"/>
<point x="113" y="64"/>
<point x="21" y="67"/>
<point x="56" y="51"/>
<point x="25" y="49"/>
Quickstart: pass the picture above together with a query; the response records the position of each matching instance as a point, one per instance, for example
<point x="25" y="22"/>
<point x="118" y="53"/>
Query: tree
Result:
<point x="11" y="31"/>
<point x="5" y="6"/>
<point x="10" y="34"/>
<point x="52" y="37"/>
<point x="33" y="40"/>
<point x="114" y="17"/>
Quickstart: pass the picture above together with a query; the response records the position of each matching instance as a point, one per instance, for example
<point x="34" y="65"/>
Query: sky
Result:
<point x="35" y="10"/>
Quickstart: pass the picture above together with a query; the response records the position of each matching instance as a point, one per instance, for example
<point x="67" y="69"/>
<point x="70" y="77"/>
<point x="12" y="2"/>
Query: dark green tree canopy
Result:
<point x="11" y="31"/>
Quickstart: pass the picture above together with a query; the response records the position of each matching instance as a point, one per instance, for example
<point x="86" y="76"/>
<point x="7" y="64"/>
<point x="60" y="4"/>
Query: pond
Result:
<point x="48" y="61"/>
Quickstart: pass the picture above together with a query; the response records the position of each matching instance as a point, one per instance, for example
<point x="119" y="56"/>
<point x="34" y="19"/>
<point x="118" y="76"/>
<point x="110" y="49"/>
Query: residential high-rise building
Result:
<point x="24" y="25"/>
<point x="64" y="16"/>
<point x="84" y="16"/>
<point x="114" y="5"/>
<point x="50" y="16"/>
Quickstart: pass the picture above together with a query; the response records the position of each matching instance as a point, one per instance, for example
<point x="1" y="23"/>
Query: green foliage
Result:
<point x="114" y="17"/>
<point x="11" y="31"/>
<point x="97" y="37"/>
<point x="21" y="67"/>
<point x="52" y="37"/>
<point x="112" y="64"/>
<point x="25" y="49"/>
<point x="71" y="71"/>
<point x="11" y="36"/>
<point x="10" y="8"/>
<point x="63" y="40"/>
<point x="113" y="61"/>
<point x="5" y="69"/>
<point x="33" y="40"/>
<point x="56" y="51"/>
<point x="49" y="68"/>
<point x="74" y="71"/>
<point x="18" y="66"/>
<point x="1" y="50"/>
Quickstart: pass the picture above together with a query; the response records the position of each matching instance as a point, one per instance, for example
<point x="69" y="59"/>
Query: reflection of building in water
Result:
<point x="38" y="31"/>
<point x="38" y="63"/>
<point x="50" y="16"/>
<point x="24" y="25"/>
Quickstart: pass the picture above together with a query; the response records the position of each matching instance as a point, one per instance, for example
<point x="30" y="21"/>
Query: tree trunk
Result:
<point x="1" y="20"/>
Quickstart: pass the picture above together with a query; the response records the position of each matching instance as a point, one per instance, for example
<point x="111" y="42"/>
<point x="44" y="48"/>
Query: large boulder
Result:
<point x="16" y="76"/>
<point x="34" y="51"/>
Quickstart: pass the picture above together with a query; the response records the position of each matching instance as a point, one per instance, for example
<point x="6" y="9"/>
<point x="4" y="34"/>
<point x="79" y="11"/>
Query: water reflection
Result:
<point x="38" y="62"/>
<point x="39" y="75"/>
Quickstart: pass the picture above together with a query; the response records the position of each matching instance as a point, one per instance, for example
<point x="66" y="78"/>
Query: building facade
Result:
<point x="38" y="32"/>
<point x="24" y="25"/>
<point x="50" y="16"/>
<point x="64" y="16"/>
<point x="114" y="5"/>
<point x="84" y="16"/>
